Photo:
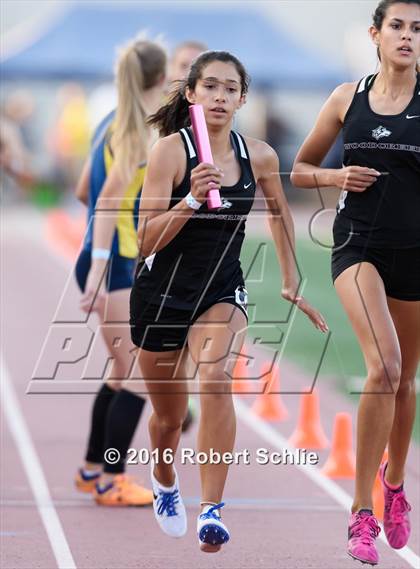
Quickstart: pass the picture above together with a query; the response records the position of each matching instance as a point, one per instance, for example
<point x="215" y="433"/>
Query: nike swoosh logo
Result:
<point x="246" y="186"/>
<point x="412" y="117"/>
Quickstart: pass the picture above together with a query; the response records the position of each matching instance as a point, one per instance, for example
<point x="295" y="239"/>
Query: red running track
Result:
<point x="277" y="515"/>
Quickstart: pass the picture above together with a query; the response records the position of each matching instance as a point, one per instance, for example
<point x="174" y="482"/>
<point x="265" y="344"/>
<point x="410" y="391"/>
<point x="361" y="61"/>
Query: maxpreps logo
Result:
<point x="380" y="132"/>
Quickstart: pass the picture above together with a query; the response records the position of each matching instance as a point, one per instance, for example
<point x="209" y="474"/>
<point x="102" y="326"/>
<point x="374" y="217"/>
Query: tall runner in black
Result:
<point x="189" y="295"/>
<point x="376" y="256"/>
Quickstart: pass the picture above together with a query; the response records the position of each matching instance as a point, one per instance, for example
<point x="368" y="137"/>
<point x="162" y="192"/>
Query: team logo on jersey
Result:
<point x="380" y="132"/>
<point x="226" y="204"/>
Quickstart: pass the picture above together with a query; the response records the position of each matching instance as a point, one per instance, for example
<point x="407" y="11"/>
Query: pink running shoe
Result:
<point x="396" y="521"/>
<point x="363" y="530"/>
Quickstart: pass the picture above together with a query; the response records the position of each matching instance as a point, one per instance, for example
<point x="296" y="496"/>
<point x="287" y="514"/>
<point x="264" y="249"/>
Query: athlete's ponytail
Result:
<point x="380" y="15"/>
<point x="174" y="115"/>
<point x="140" y="66"/>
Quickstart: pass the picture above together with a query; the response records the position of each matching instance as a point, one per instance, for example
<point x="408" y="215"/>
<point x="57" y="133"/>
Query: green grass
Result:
<point x="302" y="344"/>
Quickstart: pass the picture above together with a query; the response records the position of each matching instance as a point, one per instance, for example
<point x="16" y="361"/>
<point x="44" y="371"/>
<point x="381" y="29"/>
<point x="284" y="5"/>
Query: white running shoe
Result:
<point x="212" y="532"/>
<point x="168" y="507"/>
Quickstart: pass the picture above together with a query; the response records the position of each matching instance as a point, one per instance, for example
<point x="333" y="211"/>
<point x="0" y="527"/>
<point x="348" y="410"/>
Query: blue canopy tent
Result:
<point x="81" y="44"/>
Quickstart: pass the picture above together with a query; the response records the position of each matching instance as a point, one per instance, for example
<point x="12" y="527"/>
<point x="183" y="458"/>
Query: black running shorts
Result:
<point x="157" y="329"/>
<point x="398" y="268"/>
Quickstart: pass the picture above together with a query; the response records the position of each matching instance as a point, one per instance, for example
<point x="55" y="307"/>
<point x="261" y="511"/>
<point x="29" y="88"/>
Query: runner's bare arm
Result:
<point x="306" y="171"/>
<point x="266" y="167"/>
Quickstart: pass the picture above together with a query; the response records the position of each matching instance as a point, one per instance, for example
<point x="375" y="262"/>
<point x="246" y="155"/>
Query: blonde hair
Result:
<point x="140" y="66"/>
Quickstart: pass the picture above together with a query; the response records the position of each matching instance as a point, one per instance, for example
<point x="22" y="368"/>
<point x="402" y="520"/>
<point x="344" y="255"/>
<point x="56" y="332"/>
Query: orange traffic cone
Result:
<point x="64" y="235"/>
<point x="341" y="462"/>
<point x="378" y="493"/>
<point x="378" y="499"/>
<point x="268" y="404"/>
<point x="309" y="432"/>
<point x="76" y="233"/>
<point x="240" y="377"/>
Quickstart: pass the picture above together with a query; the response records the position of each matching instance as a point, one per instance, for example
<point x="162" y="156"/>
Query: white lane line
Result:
<point x="33" y="469"/>
<point x="331" y="488"/>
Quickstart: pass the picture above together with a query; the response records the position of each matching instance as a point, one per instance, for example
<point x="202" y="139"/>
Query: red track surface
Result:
<point x="277" y="516"/>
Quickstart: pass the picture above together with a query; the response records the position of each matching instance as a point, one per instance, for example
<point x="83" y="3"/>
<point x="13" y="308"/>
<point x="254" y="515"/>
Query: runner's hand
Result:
<point x="288" y="293"/>
<point x="355" y="178"/>
<point x="205" y="177"/>
<point x="93" y="299"/>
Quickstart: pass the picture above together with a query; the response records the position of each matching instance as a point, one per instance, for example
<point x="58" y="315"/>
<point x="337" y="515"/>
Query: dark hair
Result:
<point x="382" y="9"/>
<point x="174" y="115"/>
<point x="380" y="14"/>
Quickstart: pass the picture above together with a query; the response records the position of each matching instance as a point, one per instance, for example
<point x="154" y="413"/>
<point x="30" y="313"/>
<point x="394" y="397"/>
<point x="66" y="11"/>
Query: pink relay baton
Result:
<point x="201" y="136"/>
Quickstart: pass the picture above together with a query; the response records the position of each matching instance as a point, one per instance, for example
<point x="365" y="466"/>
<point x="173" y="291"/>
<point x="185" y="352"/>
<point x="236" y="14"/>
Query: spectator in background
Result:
<point x="182" y="56"/>
<point x="14" y="156"/>
<point x="70" y="135"/>
<point x="19" y="108"/>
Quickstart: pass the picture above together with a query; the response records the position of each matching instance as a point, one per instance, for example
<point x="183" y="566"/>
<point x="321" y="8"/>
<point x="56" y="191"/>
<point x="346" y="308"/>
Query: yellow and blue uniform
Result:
<point x="124" y="248"/>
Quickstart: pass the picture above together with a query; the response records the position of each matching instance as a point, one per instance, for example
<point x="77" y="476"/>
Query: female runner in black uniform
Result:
<point x="189" y="295"/>
<point x="117" y="409"/>
<point x="376" y="256"/>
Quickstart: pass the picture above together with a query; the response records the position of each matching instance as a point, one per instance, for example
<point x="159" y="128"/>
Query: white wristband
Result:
<point x="192" y="202"/>
<point x="101" y="254"/>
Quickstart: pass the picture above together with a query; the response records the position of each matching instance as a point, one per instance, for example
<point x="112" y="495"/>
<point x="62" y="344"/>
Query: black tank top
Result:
<point x="201" y="263"/>
<point x="388" y="213"/>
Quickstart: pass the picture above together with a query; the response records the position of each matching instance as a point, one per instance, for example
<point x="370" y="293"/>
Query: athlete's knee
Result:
<point x="407" y="384"/>
<point x="214" y="379"/>
<point x="384" y="375"/>
<point x="167" y="422"/>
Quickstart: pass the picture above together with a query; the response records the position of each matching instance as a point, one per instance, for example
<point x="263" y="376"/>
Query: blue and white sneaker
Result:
<point x="169" y="508"/>
<point x="212" y="532"/>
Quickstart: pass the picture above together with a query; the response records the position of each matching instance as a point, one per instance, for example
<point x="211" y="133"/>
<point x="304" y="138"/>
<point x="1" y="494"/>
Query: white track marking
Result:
<point x="33" y="469"/>
<point x="331" y="488"/>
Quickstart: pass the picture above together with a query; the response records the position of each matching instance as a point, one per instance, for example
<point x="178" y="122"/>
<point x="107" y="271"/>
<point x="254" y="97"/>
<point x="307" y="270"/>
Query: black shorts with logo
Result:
<point x="160" y="328"/>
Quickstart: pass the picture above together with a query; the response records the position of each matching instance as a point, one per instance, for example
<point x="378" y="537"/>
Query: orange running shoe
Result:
<point x="123" y="491"/>
<point x="86" y="482"/>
